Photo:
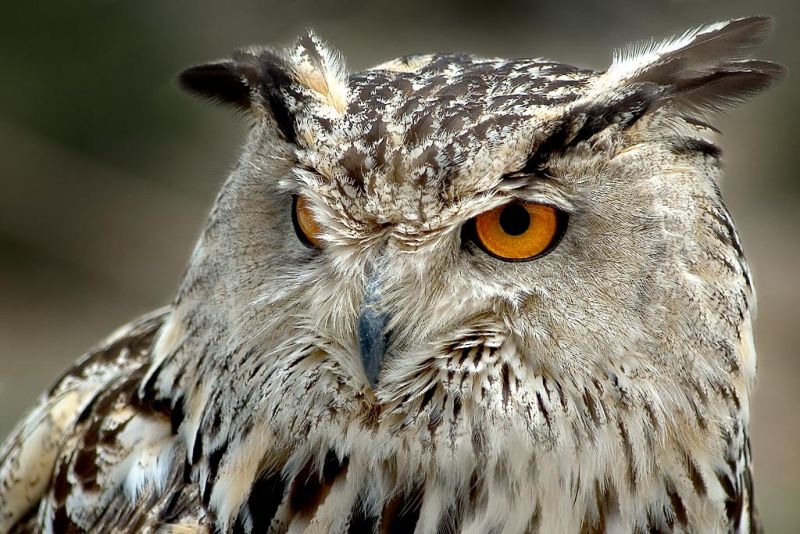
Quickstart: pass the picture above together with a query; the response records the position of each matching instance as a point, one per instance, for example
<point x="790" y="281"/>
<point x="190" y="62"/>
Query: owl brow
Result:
<point x="540" y="174"/>
<point x="541" y="187"/>
<point x="586" y="120"/>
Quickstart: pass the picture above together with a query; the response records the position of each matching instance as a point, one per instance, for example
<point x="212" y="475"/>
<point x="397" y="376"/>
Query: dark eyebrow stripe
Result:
<point x="702" y="124"/>
<point x="691" y="144"/>
<point x="586" y="120"/>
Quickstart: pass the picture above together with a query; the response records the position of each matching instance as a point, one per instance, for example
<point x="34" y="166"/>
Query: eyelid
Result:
<point x="305" y="224"/>
<point x="557" y="201"/>
<point x="538" y="190"/>
<point x="547" y="195"/>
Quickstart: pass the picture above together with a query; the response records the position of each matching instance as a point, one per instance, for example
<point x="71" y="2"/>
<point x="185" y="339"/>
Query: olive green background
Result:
<point x="107" y="170"/>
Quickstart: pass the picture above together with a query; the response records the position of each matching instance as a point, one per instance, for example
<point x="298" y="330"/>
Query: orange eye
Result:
<point x="305" y="225"/>
<point x="519" y="231"/>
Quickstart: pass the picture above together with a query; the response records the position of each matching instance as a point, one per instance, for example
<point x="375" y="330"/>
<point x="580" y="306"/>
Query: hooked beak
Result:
<point x="372" y="335"/>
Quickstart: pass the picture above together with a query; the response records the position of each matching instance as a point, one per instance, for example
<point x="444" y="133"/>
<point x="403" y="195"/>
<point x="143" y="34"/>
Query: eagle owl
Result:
<point x="446" y="294"/>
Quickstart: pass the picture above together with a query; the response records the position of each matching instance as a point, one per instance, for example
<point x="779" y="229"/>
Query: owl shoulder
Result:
<point x="64" y="444"/>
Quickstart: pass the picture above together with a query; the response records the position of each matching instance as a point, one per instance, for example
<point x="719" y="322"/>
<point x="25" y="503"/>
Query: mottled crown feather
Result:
<point x="705" y="69"/>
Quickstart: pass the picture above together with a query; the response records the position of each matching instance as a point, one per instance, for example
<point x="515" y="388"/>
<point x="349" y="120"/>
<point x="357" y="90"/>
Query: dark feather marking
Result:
<point x="176" y="414"/>
<point x="584" y="121"/>
<point x="27" y="523"/>
<point x="401" y="513"/>
<point x="197" y="450"/>
<point x="726" y="223"/>
<point x="426" y="398"/>
<point x="601" y="499"/>
<point x="435" y="419"/>
<point x="608" y="500"/>
<point x="305" y="490"/>
<point x="624" y="112"/>
<point x="534" y="523"/>
<point x="264" y="499"/>
<point x="506" y="384"/>
<point x="654" y="523"/>
<point x="693" y="145"/>
<point x="733" y="510"/>
<point x="451" y="519"/>
<point x="727" y="484"/>
<point x="62" y="522"/>
<point x="502" y="470"/>
<point x="699" y="417"/>
<point x="755" y="522"/>
<point x="543" y="410"/>
<point x="627" y="448"/>
<point x="240" y="525"/>
<point x="561" y="396"/>
<point x="88" y="410"/>
<point x="214" y="460"/>
<point x="555" y="141"/>
<point x="477" y="495"/>
<point x="678" y="507"/>
<point x="275" y="82"/>
<point x="310" y="47"/>
<point x="310" y="489"/>
<point x="695" y="476"/>
<point x="61" y="486"/>
<point x="456" y="407"/>
<point x="701" y="124"/>
<point x="546" y="389"/>
<point x="420" y="130"/>
<point x="589" y="401"/>
<point x="85" y="468"/>
<point x="464" y="355"/>
<point x="360" y="522"/>
<point x="652" y="418"/>
<point x="85" y="462"/>
<point x="354" y="163"/>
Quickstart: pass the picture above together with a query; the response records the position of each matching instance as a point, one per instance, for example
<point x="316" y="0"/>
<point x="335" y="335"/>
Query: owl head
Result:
<point x="448" y="229"/>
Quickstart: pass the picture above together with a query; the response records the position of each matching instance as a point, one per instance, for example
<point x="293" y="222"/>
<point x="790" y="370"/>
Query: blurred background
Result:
<point x="107" y="170"/>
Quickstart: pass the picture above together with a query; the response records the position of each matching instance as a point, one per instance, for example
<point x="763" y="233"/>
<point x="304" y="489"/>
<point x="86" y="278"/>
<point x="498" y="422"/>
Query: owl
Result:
<point x="447" y="294"/>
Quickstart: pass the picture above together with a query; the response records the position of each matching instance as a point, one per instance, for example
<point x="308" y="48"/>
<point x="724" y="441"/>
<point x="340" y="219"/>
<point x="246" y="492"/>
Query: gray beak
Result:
<point x="372" y="335"/>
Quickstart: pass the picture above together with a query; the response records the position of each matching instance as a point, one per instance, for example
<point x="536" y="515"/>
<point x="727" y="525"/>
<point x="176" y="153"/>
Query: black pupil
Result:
<point x="515" y="219"/>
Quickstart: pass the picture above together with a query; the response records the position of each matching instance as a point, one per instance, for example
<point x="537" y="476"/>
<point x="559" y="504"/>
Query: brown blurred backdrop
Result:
<point x="106" y="170"/>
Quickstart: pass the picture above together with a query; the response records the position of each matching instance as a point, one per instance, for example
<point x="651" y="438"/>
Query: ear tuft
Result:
<point x="728" y="85"/>
<point x="705" y="68"/>
<point x="321" y="70"/>
<point x="224" y="82"/>
<point x="285" y="84"/>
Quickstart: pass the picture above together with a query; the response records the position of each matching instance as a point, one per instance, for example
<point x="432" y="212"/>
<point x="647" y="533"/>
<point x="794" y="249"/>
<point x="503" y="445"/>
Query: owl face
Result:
<point x="394" y="220"/>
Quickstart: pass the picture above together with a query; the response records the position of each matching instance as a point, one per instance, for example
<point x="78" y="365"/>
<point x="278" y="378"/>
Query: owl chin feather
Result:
<point x="363" y="342"/>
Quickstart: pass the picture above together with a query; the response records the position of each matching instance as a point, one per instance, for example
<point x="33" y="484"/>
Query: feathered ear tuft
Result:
<point x="320" y="70"/>
<point x="283" y="82"/>
<point x="702" y="69"/>
<point x="254" y="80"/>
<point x="224" y="82"/>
